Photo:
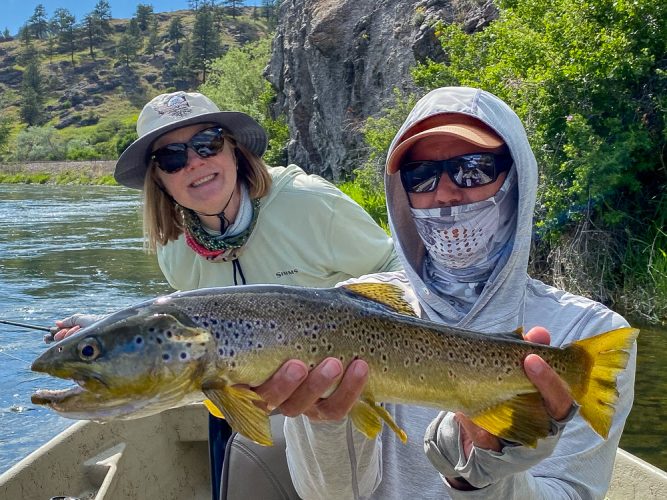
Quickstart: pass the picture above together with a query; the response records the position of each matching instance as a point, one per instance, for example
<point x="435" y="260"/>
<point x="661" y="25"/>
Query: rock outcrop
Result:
<point x="336" y="62"/>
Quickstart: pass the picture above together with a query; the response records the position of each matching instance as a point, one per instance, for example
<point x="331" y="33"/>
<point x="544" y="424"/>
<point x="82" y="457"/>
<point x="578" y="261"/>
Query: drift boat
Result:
<point x="165" y="456"/>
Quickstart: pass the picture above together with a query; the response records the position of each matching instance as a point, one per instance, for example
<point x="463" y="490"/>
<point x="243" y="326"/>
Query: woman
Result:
<point x="218" y="216"/>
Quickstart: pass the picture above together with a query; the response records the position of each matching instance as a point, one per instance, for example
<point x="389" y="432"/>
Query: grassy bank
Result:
<point x="65" y="177"/>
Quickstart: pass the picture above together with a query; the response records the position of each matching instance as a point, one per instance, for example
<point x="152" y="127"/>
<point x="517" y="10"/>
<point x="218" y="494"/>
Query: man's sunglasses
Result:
<point x="466" y="171"/>
<point x="174" y="157"/>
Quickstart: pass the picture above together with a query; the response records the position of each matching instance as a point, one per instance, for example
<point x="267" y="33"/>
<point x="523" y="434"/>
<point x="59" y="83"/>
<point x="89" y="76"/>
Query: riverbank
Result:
<point x="94" y="172"/>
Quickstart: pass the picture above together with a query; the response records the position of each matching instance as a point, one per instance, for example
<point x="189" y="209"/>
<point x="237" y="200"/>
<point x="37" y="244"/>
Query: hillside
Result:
<point x="102" y="93"/>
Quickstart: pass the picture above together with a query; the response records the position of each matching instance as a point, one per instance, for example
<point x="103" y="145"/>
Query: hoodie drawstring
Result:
<point x="237" y="267"/>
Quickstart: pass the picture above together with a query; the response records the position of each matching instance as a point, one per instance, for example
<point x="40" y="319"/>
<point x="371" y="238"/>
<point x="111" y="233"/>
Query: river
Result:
<point x="67" y="249"/>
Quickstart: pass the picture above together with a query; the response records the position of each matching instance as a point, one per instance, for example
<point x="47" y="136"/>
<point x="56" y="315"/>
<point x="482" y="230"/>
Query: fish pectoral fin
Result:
<point x="387" y="294"/>
<point x="522" y="419"/>
<point x="212" y="409"/>
<point x="367" y="417"/>
<point x="238" y="405"/>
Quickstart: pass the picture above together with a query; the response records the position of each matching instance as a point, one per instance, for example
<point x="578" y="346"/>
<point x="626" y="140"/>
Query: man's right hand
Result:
<point x="295" y="391"/>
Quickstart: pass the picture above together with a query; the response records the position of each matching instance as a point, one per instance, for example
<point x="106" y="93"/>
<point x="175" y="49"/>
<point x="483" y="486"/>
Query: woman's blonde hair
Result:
<point x="163" y="217"/>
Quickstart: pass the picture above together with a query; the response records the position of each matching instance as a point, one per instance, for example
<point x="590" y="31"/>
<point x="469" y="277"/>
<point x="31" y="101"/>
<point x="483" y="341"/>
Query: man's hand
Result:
<point x="296" y="391"/>
<point x="557" y="399"/>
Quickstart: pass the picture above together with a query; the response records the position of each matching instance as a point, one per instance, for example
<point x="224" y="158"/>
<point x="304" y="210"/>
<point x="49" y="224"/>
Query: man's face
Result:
<point x="447" y="193"/>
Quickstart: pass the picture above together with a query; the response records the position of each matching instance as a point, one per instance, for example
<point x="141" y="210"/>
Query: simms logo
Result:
<point x="280" y="274"/>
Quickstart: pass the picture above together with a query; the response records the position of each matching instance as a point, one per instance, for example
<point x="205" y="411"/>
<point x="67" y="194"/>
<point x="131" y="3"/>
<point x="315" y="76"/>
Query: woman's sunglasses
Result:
<point x="174" y="157"/>
<point x="466" y="171"/>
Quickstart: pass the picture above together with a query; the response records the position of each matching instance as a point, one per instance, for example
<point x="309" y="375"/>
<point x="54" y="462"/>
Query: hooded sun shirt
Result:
<point x="333" y="460"/>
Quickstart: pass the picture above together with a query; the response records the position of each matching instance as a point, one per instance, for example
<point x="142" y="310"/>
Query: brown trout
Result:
<point x="216" y="342"/>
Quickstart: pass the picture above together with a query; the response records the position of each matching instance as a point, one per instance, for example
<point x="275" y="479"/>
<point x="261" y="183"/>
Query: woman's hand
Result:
<point x="555" y="394"/>
<point x="72" y="324"/>
<point x="295" y="391"/>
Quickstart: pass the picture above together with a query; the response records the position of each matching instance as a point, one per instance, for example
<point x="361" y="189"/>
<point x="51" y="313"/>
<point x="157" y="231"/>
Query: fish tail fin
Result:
<point x="606" y="354"/>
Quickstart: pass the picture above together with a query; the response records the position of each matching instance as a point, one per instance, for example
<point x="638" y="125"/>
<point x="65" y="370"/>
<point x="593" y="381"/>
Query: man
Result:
<point x="460" y="183"/>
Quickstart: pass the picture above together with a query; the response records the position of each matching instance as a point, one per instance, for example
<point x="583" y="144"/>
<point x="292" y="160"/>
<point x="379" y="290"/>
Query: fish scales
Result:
<point x="216" y="340"/>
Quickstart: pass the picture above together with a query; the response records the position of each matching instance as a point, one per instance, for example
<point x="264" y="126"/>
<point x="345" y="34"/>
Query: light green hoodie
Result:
<point x="308" y="233"/>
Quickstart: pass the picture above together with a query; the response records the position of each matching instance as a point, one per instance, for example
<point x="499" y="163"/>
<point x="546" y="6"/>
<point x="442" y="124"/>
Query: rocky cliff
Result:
<point x="336" y="62"/>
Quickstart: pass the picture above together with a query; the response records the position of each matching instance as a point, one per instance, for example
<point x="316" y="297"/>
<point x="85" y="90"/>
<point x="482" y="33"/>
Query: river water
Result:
<point x="67" y="249"/>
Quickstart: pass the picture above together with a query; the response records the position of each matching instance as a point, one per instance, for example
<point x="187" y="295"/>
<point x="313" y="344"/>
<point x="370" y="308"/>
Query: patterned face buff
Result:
<point x="469" y="236"/>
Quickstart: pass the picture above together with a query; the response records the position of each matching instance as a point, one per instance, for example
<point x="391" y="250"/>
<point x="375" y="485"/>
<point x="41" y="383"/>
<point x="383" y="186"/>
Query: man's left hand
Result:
<point x="553" y="389"/>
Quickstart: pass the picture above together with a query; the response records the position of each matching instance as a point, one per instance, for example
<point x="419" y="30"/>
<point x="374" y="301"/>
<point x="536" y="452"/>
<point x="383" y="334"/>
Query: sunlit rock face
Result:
<point x="336" y="62"/>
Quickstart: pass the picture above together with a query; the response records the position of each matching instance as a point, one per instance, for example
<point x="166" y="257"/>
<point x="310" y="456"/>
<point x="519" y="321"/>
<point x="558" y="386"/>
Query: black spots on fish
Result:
<point x="397" y="344"/>
<point x="329" y="348"/>
<point x="166" y="357"/>
<point x="231" y="353"/>
<point x="214" y="322"/>
<point x="272" y="325"/>
<point x="362" y="349"/>
<point x="221" y="351"/>
<point x="158" y="339"/>
<point x="151" y="329"/>
<point x="183" y="356"/>
<point x="451" y="373"/>
<point x="168" y="334"/>
<point x="138" y="340"/>
<point x="298" y="347"/>
<point x="311" y="365"/>
<point x="217" y="335"/>
<point x="313" y="349"/>
<point x="384" y="357"/>
<point x="259" y="345"/>
<point x="229" y="324"/>
<point x="280" y="336"/>
<point x="417" y="359"/>
<point x="422" y="378"/>
<point x="406" y="362"/>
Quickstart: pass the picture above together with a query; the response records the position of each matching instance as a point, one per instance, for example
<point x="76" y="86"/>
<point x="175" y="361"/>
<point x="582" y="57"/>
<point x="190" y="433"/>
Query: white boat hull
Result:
<point x="166" y="457"/>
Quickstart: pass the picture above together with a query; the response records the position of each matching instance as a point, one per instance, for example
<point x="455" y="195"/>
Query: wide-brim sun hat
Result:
<point x="167" y="112"/>
<point x="449" y="126"/>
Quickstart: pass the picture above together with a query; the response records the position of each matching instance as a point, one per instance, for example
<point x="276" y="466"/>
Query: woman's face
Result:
<point x="204" y="185"/>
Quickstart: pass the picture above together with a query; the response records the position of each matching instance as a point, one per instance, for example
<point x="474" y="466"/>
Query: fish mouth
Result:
<point x="48" y="397"/>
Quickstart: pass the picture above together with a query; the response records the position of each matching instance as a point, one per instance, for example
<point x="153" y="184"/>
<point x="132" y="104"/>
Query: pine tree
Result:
<point x="63" y="24"/>
<point x="175" y="32"/>
<point x="143" y="15"/>
<point x="153" y="37"/>
<point x="38" y="24"/>
<point x="32" y="95"/>
<point x="205" y="41"/>
<point x="102" y="12"/>
<point x="234" y="6"/>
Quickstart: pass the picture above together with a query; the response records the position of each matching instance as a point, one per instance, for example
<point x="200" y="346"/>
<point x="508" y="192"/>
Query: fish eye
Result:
<point x="89" y="349"/>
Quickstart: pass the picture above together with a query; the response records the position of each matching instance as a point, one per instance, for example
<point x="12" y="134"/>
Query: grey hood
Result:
<point x="500" y="305"/>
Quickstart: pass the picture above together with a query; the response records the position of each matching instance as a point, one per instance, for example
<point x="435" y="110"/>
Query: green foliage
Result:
<point x="373" y="201"/>
<point x="66" y="177"/>
<point x="38" y="144"/>
<point x="205" y="41"/>
<point x="236" y="82"/>
<point x="378" y="134"/>
<point x="588" y="80"/>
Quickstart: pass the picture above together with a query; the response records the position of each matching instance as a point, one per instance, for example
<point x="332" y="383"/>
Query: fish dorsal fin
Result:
<point x="387" y="294"/>
<point x="237" y="404"/>
<point x="513" y="335"/>
<point x="522" y="419"/>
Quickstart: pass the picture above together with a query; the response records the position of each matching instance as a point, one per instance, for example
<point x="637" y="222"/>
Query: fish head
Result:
<point x="131" y="364"/>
